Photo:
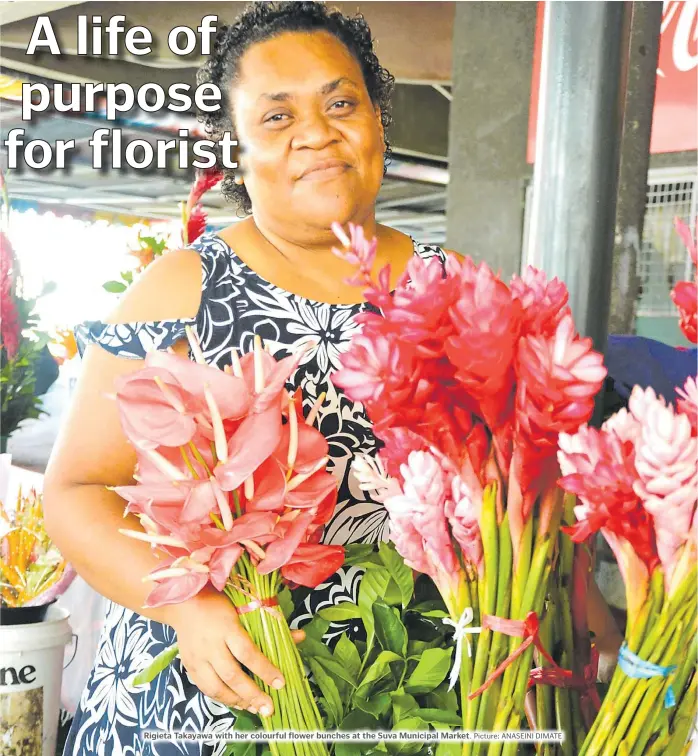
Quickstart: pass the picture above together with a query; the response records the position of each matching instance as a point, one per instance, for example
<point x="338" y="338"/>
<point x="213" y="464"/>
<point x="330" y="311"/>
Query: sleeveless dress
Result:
<point x="236" y="305"/>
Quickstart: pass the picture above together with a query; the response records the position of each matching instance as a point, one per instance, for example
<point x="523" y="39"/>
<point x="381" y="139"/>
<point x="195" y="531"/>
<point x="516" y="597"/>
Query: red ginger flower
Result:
<point x="685" y="293"/>
<point x="544" y="302"/>
<point x="599" y="467"/>
<point x="559" y="376"/>
<point x="487" y="326"/>
<point x="9" y="316"/>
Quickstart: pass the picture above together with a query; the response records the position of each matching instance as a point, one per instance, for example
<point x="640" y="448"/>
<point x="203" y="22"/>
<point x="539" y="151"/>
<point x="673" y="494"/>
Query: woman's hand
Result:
<point x="213" y="645"/>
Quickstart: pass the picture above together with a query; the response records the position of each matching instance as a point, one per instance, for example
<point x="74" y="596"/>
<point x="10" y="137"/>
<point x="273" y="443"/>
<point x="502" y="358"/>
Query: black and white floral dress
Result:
<point x="236" y="305"/>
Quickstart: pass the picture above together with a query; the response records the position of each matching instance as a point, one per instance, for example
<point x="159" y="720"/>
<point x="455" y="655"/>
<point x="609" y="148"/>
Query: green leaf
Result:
<point x="159" y="663"/>
<point x="428" y="606"/>
<point x="316" y="628"/>
<point x="436" y="717"/>
<point x="391" y="633"/>
<point x="340" y="613"/>
<point x="314" y="649"/>
<point x="246" y="722"/>
<point x="442" y="698"/>
<point x="377" y="706"/>
<point x="407" y="746"/>
<point x="329" y="691"/>
<point x="449" y="748"/>
<point x="347" y="654"/>
<point x="399" y="571"/>
<point x="403" y="704"/>
<point x="286" y="602"/>
<point x="349" y="749"/>
<point x="358" y="720"/>
<point x="114" y="287"/>
<point x="374" y="585"/>
<point x="380" y="668"/>
<point x="357" y="552"/>
<point x="431" y="671"/>
<point x="127" y="276"/>
<point x="241" y="748"/>
<point x="337" y="670"/>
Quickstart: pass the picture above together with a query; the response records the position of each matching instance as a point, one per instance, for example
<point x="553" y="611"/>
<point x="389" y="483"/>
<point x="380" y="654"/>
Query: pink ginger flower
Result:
<point x="665" y="460"/>
<point x="685" y="293"/>
<point x="687" y="403"/>
<point x="544" y="302"/>
<point x="559" y="375"/>
<point x="463" y="514"/>
<point x="10" y="331"/>
<point x="418" y="524"/>
<point x="599" y="467"/>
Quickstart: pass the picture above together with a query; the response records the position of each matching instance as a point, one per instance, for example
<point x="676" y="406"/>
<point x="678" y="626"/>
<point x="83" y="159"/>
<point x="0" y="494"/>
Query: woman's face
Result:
<point x="311" y="139"/>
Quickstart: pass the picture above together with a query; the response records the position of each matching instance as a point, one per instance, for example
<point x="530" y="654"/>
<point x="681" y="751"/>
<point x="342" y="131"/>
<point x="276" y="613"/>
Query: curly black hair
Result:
<point x="264" y="20"/>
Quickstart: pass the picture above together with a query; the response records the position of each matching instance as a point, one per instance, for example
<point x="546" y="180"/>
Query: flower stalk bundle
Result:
<point x="32" y="570"/>
<point x="232" y="491"/>
<point x="636" y="480"/>
<point x="468" y="381"/>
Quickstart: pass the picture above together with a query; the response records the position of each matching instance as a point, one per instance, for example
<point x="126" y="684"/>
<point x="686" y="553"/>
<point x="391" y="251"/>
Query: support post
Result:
<point x="585" y="52"/>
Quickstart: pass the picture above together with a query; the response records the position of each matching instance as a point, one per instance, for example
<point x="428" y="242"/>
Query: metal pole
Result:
<point x="634" y="163"/>
<point x="575" y="183"/>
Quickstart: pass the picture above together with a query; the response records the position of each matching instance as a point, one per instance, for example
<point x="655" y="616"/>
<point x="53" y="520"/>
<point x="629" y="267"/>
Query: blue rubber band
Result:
<point x="639" y="669"/>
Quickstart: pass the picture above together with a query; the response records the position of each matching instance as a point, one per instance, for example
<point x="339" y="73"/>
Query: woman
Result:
<point x="308" y="101"/>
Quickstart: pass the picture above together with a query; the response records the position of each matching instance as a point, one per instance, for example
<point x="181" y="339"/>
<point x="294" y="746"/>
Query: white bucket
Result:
<point x="31" y="670"/>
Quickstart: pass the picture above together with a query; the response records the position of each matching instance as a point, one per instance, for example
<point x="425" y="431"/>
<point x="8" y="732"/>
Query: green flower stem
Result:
<point x="490" y="542"/>
<point x="515" y="682"/>
<point x="634" y="637"/>
<point x="489" y="698"/>
<point x="684" y="719"/>
<point x="294" y="705"/>
<point x="521" y="569"/>
<point x="618" y="710"/>
<point x="545" y="703"/>
<point x="637" y="711"/>
<point x="660" y="718"/>
<point x="566" y="585"/>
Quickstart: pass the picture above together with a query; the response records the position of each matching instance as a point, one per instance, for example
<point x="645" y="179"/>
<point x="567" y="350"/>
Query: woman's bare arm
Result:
<point x="83" y="517"/>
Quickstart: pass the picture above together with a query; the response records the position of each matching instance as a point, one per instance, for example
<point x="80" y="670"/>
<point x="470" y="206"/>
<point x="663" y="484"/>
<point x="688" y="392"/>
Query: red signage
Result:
<point x="675" y="119"/>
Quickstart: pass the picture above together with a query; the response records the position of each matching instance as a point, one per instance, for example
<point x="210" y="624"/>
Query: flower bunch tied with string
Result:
<point x="636" y="480"/>
<point x="232" y="491"/>
<point x="468" y="381"/>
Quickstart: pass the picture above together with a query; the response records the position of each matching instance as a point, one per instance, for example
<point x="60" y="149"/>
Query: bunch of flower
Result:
<point x="636" y="480"/>
<point x="468" y="382"/>
<point x="21" y="340"/>
<point x="685" y="293"/>
<point x="232" y="491"/>
<point x="32" y="570"/>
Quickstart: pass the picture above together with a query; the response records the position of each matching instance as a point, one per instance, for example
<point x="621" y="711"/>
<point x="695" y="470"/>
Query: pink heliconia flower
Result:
<point x="544" y="302"/>
<point x="463" y="515"/>
<point x="155" y="408"/>
<point x="685" y="293"/>
<point x="418" y="524"/>
<point x="312" y="564"/>
<point x="665" y="459"/>
<point x="687" y="402"/>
